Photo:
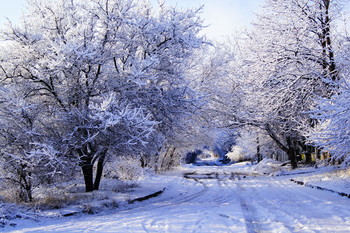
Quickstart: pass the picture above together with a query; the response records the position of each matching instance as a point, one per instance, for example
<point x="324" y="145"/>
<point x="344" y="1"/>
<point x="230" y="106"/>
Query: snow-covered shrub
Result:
<point x="237" y="154"/>
<point x="252" y="142"/>
<point x="269" y="166"/>
<point x="73" y="194"/>
<point x="247" y="143"/>
<point x="125" y="186"/>
<point x="10" y="212"/>
<point x="28" y="170"/>
<point x="125" y="168"/>
<point x="8" y="191"/>
<point x="29" y="157"/>
<point x="56" y="199"/>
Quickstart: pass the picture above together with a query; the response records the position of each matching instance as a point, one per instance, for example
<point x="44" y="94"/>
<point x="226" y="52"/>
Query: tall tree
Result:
<point x="289" y="63"/>
<point x="107" y="73"/>
<point x="332" y="133"/>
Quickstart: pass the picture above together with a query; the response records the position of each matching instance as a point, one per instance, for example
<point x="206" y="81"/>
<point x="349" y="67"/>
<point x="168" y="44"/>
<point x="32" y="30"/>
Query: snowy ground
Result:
<point x="236" y="198"/>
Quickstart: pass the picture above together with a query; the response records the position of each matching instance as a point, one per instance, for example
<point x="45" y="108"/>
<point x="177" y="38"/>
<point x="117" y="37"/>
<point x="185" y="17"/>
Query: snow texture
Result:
<point x="233" y="198"/>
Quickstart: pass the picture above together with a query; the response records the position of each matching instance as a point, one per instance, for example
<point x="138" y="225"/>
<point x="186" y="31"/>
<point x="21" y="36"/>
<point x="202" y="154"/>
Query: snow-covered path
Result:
<point x="223" y="203"/>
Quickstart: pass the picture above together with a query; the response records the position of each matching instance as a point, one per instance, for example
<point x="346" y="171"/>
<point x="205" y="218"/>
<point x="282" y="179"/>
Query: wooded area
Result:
<point x="84" y="83"/>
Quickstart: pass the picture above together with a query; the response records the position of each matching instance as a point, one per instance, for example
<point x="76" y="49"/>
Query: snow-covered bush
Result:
<point x="269" y="166"/>
<point x="237" y="154"/>
<point x="125" y="168"/>
<point x="252" y="143"/>
<point x="28" y="158"/>
<point x="10" y="212"/>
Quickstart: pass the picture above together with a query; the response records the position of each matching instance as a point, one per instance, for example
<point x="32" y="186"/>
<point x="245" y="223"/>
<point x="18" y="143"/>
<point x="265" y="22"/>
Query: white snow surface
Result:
<point x="236" y="198"/>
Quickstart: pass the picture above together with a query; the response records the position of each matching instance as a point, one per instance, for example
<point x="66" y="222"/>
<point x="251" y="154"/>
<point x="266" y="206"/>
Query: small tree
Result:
<point x="109" y="127"/>
<point x="28" y="159"/>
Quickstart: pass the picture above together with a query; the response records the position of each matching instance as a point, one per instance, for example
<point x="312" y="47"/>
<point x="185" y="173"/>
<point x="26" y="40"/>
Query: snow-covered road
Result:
<point x="218" y="203"/>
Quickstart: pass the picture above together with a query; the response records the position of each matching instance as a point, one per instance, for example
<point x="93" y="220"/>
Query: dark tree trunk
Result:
<point x="162" y="163"/>
<point x="308" y="159"/>
<point x="258" y="154"/>
<point x="29" y="187"/>
<point x="25" y="193"/>
<point x="291" y="153"/>
<point x="99" y="171"/>
<point x="86" y="155"/>
<point x="292" y="158"/>
<point x="87" y="169"/>
<point x="307" y="150"/>
<point x="143" y="162"/>
<point x="328" y="42"/>
<point x="165" y="165"/>
<point x="289" y="148"/>
<point x="171" y="162"/>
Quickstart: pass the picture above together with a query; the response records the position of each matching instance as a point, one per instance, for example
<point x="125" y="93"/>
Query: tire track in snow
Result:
<point x="151" y="211"/>
<point x="293" y="208"/>
<point x="225" y="194"/>
<point x="155" y="219"/>
<point x="223" y="203"/>
<point x="256" y="223"/>
<point x="248" y="212"/>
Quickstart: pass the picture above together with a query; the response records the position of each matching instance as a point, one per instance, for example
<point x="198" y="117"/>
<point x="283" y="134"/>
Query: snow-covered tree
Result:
<point x="108" y="75"/>
<point x="332" y="132"/>
<point x="168" y="95"/>
<point x="214" y="74"/>
<point x="108" y="127"/>
<point x="289" y="62"/>
<point x="28" y="157"/>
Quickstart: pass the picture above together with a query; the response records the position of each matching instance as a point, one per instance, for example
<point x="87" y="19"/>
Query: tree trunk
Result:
<point x="166" y="162"/>
<point x="291" y="153"/>
<point x="292" y="158"/>
<point x="308" y="158"/>
<point x="308" y="150"/>
<point x="258" y="154"/>
<point x="87" y="169"/>
<point x="26" y="187"/>
<point x="289" y="148"/>
<point x="171" y="159"/>
<point x="99" y="171"/>
<point x="86" y="155"/>
<point x="162" y="162"/>
<point x="328" y="42"/>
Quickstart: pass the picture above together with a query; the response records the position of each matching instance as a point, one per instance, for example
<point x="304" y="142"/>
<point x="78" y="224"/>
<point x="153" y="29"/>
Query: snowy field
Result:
<point x="235" y="198"/>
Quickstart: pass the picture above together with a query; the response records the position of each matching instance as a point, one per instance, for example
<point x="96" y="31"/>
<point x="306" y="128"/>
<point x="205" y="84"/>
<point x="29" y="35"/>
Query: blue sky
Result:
<point x="11" y="9"/>
<point x="222" y="16"/>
